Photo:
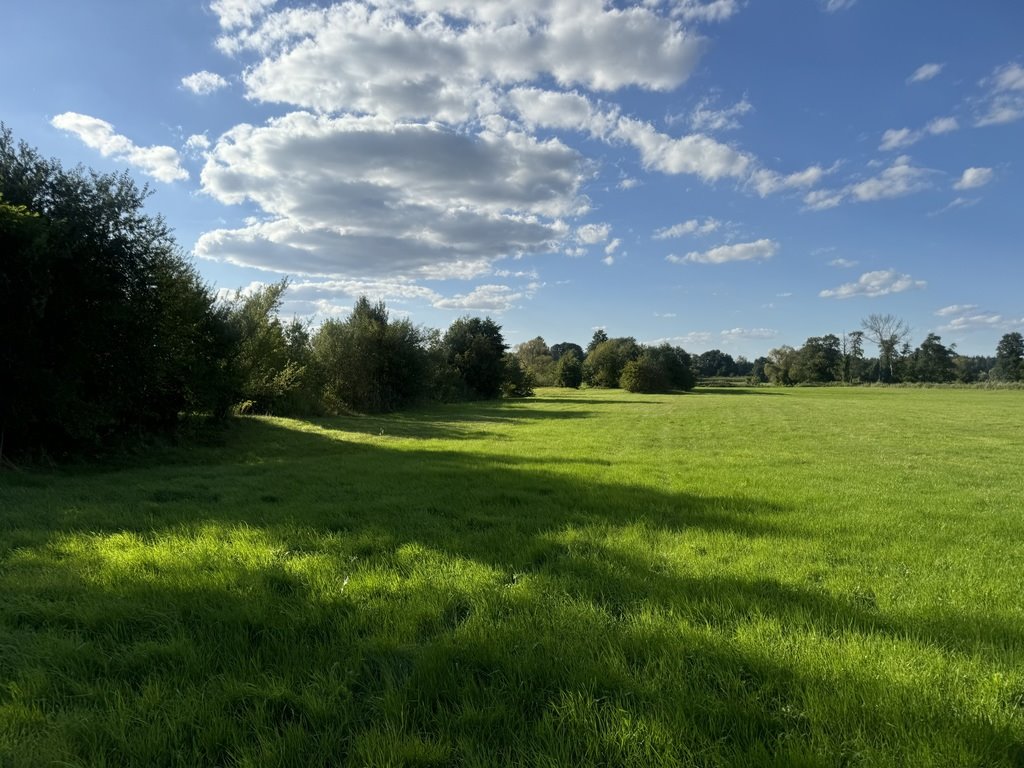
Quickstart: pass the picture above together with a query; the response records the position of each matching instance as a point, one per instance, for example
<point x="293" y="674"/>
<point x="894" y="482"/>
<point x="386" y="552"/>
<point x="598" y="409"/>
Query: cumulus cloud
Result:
<point x="758" y="250"/>
<point x="613" y="246"/>
<point x="925" y="72"/>
<point x="591" y="234"/>
<point x="233" y="14"/>
<point x="364" y="196"/>
<point x="483" y="298"/>
<point x="874" y="284"/>
<point x="1004" y="100"/>
<point x="204" y="82"/>
<point x="688" y="227"/>
<point x="705" y="118"/>
<point x="197" y="142"/>
<point x="691" y="340"/>
<point x="161" y="162"/>
<point x="430" y="59"/>
<point x="900" y="179"/>
<point x="973" y="178"/>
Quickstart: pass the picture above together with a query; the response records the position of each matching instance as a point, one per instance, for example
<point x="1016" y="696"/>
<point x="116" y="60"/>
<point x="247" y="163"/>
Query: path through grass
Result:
<point x="733" y="577"/>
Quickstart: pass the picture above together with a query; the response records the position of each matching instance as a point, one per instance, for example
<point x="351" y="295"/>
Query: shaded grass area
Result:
<point x="822" y="577"/>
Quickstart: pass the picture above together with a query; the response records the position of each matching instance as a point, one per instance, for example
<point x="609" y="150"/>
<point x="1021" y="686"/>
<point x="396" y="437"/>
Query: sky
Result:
<point x="718" y="174"/>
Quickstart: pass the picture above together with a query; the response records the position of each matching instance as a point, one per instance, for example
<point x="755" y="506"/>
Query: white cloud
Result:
<point x="693" y="339"/>
<point x="905" y="137"/>
<point x="823" y="199"/>
<point x="982" y="321"/>
<point x="608" y="260"/>
<point x="204" y="82"/>
<point x="665" y="314"/>
<point x="831" y="6"/>
<point x="737" y="334"/>
<point x="925" y="72"/>
<point x="354" y="196"/>
<point x="898" y="180"/>
<point x="688" y="227"/>
<point x="874" y="284"/>
<point x="842" y="263"/>
<point x="430" y="59"/>
<point x="767" y="182"/>
<point x="955" y="309"/>
<point x="940" y="125"/>
<point x="197" y="143"/>
<point x="715" y="10"/>
<point x="704" y="118"/>
<point x="973" y="178"/>
<point x="957" y="202"/>
<point x="754" y="251"/>
<point x="628" y="183"/>
<point x="613" y="246"/>
<point x="1004" y="102"/>
<point x="484" y="298"/>
<point x="239" y="13"/>
<point x="160" y="162"/>
<point x="591" y="234"/>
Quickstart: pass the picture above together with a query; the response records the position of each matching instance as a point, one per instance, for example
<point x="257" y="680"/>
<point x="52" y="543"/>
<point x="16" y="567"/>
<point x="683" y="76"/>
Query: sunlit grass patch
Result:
<point x="808" y="577"/>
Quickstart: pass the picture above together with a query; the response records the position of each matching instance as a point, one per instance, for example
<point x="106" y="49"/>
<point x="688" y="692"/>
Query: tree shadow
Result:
<point x="304" y="599"/>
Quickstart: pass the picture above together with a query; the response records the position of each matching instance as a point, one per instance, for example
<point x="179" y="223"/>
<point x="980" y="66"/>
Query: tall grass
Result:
<point x="731" y="577"/>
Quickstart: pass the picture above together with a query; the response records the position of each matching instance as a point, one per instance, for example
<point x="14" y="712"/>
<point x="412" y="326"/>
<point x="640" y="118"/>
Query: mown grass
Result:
<point x="730" y="577"/>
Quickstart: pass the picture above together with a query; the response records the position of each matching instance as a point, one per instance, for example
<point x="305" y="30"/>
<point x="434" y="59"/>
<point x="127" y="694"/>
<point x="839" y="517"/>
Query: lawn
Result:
<point x="796" y="577"/>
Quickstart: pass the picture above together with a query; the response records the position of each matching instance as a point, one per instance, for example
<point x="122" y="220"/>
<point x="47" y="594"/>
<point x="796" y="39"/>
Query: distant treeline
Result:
<point x="109" y="334"/>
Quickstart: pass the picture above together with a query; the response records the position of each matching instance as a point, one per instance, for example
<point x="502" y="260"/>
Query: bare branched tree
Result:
<point x="886" y="332"/>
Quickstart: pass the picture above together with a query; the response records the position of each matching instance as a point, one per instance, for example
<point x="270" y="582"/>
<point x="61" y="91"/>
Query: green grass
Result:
<point x="731" y="577"/>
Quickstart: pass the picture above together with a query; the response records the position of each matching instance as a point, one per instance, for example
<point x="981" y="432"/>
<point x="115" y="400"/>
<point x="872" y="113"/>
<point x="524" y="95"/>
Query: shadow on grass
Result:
<point x="734" y="391"/>
<point x="492" y="617"/>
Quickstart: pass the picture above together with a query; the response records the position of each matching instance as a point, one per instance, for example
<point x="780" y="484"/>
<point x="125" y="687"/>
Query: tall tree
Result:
<point x="887" y="332"/>
<point x="474" y="349"/>
<point x="569" y="371"/>
<point x="932" y="361"/>
<point x="1009" y="358"/>
<point x="536" y="358"/>
<point x="853" y="356"/>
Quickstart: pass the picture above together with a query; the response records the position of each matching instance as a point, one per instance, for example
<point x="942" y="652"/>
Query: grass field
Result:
<point x="730" y="577"/>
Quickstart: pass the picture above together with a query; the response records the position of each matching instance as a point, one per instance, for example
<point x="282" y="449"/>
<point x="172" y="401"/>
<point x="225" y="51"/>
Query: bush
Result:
<point x="569" y="372"/>
<point x="645" y="374"/>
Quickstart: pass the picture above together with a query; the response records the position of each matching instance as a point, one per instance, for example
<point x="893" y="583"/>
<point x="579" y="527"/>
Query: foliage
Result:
<point x="675" y="364"/>
<point x="368" y="362"/>
<point x="108" y="331"/>
<point x="819" y="360"/>
<point x="558" y="351"/>
<point x="1009" y="365"/>
<point x="604" y="363"/>
<point x="569" y="371"/>
<point x="518" y="381"/>
<point x="644" y="374"/>
<point x="536" y="358"/>
<point x="931" y="362"/>
<point x="715" y="362"/>
<point x="779" y="366"/>
<point x="474" y="351"/>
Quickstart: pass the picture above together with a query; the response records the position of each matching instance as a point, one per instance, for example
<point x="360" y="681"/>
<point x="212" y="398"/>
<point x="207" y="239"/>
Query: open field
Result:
<point x="729" y="577"/>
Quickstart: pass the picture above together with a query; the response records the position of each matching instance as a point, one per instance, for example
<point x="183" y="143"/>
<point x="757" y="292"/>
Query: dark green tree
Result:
<point x="1009" y="364"/>
<point x="107" y="331"/>
<point x="644" y="374"/>
<point x="675" y="363"/>
<point x="558" y="350"/>
<point x="932" y="361"/>
<point x="569" y="371"/>
<point x="474" y="350"/>
<point x="518" y="381"/>
<point x="604" y="364"/>
<point x="819" y="360"/>
<point x="714" y="363"/>
<point x="599" y="337"/>
<point x="369" y="362"/>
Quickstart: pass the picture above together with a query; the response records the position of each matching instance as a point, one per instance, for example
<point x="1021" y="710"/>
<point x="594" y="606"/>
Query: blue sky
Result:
<point x="716" y="173"/>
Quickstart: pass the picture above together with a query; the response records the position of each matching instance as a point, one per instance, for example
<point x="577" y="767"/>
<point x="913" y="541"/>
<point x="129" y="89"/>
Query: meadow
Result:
<point x="730" y="577"/>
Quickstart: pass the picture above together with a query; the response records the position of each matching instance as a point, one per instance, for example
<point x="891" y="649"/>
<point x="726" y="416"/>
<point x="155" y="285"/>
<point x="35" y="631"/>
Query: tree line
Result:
<point x="108" y="334"/>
